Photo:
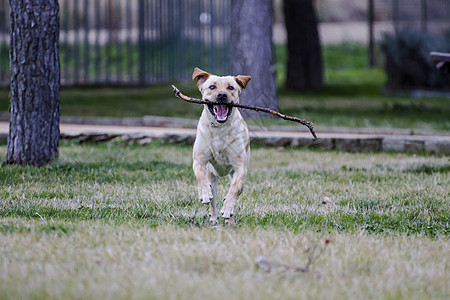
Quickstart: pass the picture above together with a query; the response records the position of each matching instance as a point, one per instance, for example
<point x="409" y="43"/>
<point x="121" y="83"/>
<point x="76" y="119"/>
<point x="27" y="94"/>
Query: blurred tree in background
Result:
<point x="304" y="66"/>
<point x="251" y="51"/>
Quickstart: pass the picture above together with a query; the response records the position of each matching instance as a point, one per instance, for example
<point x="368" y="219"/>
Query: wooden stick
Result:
<point x="256" y="108"/>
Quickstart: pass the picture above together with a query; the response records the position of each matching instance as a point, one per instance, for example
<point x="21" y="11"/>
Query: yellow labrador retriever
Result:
<point x="222" y="144"/>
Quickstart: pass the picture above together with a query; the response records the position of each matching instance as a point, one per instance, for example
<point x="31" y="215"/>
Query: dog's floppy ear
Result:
<point x="200" y="75"/>
<point x="242" y="80"/>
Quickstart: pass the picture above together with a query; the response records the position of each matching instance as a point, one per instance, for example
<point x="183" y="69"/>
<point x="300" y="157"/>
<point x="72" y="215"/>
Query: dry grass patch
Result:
<point x="92" y="260"/>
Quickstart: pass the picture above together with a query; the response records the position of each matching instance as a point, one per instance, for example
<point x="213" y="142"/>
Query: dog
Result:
<point x="222" y="143"/>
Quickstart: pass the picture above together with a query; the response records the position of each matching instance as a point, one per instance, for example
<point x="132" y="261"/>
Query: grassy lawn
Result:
<point x="122" y="221"/>
<point x="352" y="97"/>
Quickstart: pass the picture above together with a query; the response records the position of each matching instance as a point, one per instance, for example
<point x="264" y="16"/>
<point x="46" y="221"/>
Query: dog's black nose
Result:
<point x="222" y="97"/>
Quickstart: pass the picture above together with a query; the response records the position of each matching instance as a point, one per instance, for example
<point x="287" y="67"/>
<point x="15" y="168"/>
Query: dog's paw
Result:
<point x="229" y="221"/>
<point x="227" y="210"/>
<point x="206" y="199"/>
<point x="213" y="220"/>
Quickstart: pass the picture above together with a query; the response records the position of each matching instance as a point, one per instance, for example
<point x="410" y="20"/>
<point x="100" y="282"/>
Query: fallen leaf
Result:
<point x="327" y="200"/>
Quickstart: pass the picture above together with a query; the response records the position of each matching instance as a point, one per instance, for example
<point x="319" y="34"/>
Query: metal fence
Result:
<point x="110" y="42"/>
<point x="4" y="42"/>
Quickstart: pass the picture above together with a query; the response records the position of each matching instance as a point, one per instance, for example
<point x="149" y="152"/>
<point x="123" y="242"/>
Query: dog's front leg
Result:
<point x="237" y="185"/>
<point x="213" y="179"/>
<point x="204" y="187"/>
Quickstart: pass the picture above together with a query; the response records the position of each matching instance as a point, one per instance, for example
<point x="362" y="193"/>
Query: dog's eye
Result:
<point x="212" y="87"/>
<point x="230" y="88"/>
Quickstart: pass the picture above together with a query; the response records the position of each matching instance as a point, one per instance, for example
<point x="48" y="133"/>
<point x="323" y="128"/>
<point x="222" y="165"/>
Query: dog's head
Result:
<point x="220" y="89"/>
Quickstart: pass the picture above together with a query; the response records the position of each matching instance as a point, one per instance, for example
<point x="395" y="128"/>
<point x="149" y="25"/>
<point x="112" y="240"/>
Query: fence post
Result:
<point x="212" y="46"/>
<point x="4" y="53"/>
<point x="86" y="41"/>
<point x="396" y="15"/>
<point x="424" y="16"/>
<point x="76" y="46"/>
<point x="65" y="44"/>
<point x="129" y="50"/>
<point x="97" y="56"/>
<point x="371" y="34"/>
<point x="141" y="42"/>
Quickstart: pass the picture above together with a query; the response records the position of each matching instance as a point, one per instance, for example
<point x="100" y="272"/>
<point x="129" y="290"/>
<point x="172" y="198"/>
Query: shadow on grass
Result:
<point x="101" y="172"/>
<point x="184" y="212"/>
<point x="153" y="215"/>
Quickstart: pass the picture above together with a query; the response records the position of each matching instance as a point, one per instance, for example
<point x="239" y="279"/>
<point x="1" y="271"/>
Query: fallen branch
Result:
<point x="256" y="108"/>
<point x="268" y="266"/>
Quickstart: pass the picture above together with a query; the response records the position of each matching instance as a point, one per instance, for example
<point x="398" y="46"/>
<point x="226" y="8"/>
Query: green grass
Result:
<point x="117" y="184"/>
<point x="123" y="221"/>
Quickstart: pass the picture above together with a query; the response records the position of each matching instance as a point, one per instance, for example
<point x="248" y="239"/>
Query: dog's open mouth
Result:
<point x="221" y="112"/>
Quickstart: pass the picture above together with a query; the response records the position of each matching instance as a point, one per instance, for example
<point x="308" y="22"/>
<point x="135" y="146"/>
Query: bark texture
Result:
<point x="304" y="67"/>
<point x="251" y="52"/>
<point x="35" y="80"/>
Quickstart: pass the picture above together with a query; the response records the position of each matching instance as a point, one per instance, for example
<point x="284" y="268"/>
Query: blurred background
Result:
<point x="370" y="48"/>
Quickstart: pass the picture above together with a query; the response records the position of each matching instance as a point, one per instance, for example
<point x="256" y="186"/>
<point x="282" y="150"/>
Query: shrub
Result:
<point x="408" y="63"/>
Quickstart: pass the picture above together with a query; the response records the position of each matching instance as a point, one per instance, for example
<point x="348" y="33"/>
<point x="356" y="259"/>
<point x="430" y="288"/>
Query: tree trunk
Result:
<point x="251" y="52"/>
<point x="35" y="77"/>
<point x="304" y="67"/>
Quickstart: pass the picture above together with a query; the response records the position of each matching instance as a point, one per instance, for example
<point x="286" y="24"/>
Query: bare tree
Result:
<point x="35" y="79"/>
<point x="251" y="51"/>
<point x="304" y="67"/>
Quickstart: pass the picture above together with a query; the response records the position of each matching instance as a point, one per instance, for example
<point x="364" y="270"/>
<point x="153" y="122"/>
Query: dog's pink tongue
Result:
<point x="221" y="112"/>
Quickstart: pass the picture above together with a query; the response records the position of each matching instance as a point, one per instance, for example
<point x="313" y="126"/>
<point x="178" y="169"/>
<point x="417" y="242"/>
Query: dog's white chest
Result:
<point x="219" y="147"/>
